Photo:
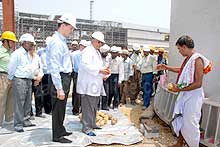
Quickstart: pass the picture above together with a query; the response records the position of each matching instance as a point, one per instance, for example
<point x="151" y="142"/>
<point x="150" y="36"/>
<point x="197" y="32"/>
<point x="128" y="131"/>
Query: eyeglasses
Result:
<point x="99" y="42"/>
<point x="30" y="44"/>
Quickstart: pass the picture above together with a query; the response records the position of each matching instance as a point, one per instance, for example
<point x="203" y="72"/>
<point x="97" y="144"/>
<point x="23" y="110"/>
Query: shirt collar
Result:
<point x="60" y="36"/>
<point x="24" y="51"/>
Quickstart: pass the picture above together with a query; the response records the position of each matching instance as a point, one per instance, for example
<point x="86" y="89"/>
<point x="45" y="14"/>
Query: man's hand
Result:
<point x="36" y="83"/>
<point x="105" y="78"/>
<point x="105" y="71"/>
<point x="10" y="83"/>
<point x="174" y="88"/>
<point x="60" y="94"/>
<point x="161" y="67"/>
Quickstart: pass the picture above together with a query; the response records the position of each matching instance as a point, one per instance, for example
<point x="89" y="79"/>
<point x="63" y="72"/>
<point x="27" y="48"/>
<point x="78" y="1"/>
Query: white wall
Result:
<point x="201" y="20"/>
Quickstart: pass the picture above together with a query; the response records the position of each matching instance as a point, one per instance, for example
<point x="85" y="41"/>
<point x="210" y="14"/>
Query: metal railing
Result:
<point x="210" y="125"/>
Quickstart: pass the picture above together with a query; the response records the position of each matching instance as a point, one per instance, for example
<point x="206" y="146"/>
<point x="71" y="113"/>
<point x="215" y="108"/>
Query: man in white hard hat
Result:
<point x="76" y="59"/>
<point x="136" y="80"/>
<point x="90" y="82"/>
<point x="148" y="70"/>
<point x="74" y="46"/>
<point x="60" y="68"/>
<point x="117" y="76"/>
<point x="20" y="73"/>
<point x="106" y="59"/>
<point x="128" y="73"/>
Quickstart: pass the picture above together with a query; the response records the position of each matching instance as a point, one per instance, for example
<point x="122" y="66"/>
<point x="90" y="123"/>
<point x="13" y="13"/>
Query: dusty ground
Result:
<point x="133" y="113"/>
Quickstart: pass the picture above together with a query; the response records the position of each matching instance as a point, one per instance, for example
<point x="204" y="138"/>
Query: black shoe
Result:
<point x="67" y="133"/>
<point x="98" y="128"/>
<point x="20" y="130"/>
<point x="107" y="109"/>
<point x="31" y="125"/>
<point x="62" y="140"/>
<point x="40" y="115"/>
<point x="75" y="113"/>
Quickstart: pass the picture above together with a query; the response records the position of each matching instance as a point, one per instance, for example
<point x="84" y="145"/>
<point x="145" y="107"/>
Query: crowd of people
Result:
<point x="103" y="78"/>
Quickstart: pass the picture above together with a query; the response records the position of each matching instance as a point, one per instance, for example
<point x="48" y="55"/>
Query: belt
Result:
<point x="3" y="72"/>
<point x="66" y="74"/>
<point x="23" y="78"/>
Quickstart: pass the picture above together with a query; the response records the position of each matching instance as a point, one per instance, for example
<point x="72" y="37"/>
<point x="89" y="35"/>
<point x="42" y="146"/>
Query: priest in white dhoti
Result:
<point x="90" y="82"/>
<point x="187" y="110"/>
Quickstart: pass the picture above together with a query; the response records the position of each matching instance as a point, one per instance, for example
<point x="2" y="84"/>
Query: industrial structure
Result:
<point x="116" y="33"/>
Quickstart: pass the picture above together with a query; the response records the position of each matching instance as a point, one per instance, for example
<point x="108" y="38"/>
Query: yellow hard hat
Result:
<point x="161" y="49"/>
<point x="8" y="35"/>
<point x="152" y="48"/>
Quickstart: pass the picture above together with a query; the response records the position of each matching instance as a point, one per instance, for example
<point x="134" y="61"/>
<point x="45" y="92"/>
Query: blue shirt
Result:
<point x="42" y="54"/>
<point x="76" y="59"/>
<point x="20" y="64"/>
<point x="58" y="58"/>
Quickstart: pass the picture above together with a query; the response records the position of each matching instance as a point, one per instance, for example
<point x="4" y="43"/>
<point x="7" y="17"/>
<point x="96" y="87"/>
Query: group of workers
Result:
<point x="103" y="78"/>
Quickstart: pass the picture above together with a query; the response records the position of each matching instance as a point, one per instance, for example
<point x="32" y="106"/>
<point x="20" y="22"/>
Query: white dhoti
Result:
<point x="187" y="110"/>
<point x="190" y="107"/>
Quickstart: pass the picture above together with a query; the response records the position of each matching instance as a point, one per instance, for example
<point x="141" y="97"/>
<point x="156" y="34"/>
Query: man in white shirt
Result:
<point x="148" y="70"/>
<point x="128" y="72"/>
<point x="76" y="59"/>
<point x="136" y="79"/>
<point x="105" y="57"/>
<point x="90" y="82"/>
<point x="117" y="76"/>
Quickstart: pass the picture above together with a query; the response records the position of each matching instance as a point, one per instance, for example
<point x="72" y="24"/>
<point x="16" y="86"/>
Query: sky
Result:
<point x="144" y="12"/>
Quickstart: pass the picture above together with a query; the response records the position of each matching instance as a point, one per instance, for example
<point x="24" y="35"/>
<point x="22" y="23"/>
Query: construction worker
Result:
<point x="60" y="69"/>
<point x="90" y="82"/>
<point x="117" y="76"/>
<point x="104" y="50"/>
<point x="20" y="72"/>
<point x="74" y="46"/>
<point x="76" y="59"/>
<point x="8" y="40"/>
<point x="128" y="72"/>
<point x="161" y="60"/>
<point x="42" y="52"/>
<point x="37" y="67"/>
<point x="147" y="67"/>
<point x="152" y="52"/>
<point x="136" y="79"/>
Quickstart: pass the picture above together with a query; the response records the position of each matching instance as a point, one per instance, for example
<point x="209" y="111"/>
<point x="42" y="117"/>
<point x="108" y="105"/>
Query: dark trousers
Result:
<point x="59" y="107"/>
<point x="104" y="104"/>
<point x="46" y="82"/>
<point x="147" y="82"/>
<point x="76" y="102"/>
<point x="38" y="98"/>
<point x="114" y="90"/>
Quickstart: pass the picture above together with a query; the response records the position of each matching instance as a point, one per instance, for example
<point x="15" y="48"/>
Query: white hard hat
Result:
<point x="27" y="37"/>
<point x="68" y="18"/>
<point x="88" y="43"/>
<point x="146" y="48"/>
<point x="83" y="42"/>
<point x="74" y="42"/>
<point x="130" y="49"/>
<point x="105" y="48"/>
<point x="136" y="47"/>
<point x="99" y="36"/>
<point x="114" y="49"/>
<point x="48" y="40"/>
<point x="119" y="49"/>
<point x="124" y="51"/>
